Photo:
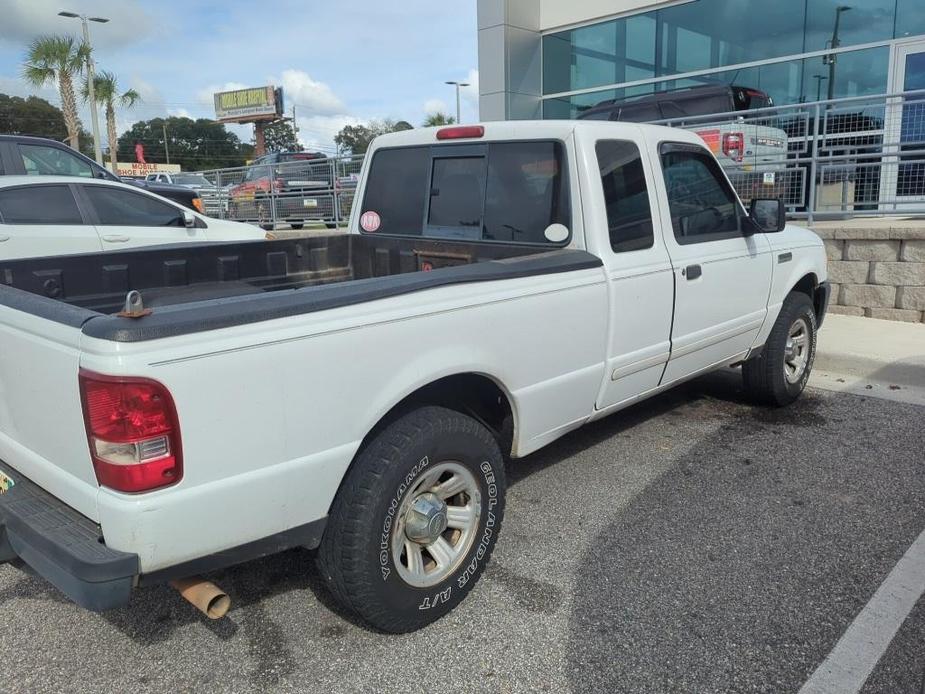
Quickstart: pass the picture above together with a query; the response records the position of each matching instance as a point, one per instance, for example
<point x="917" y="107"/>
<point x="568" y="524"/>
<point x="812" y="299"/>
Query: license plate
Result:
<point x="246" y="196"/>
<point x="310" y="202"/>
<point x="768" y="178"/>
<point x="6" y="483"/>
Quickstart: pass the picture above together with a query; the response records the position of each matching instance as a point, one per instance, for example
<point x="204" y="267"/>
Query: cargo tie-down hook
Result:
<point x="134" y="306"/>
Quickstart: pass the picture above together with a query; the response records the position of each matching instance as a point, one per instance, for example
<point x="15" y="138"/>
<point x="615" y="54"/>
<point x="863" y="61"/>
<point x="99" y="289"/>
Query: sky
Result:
<point x="338" y="62"/>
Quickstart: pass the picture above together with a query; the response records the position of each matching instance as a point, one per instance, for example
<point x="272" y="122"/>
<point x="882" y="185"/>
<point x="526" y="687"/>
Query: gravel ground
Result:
<point x="693" y="543"/>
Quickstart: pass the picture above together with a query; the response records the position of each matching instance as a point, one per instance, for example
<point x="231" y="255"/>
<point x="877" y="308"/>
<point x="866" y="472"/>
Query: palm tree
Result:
<point x="106" y="91"/>
<point x="58" y="59"/>
<point x="434" y="119"/>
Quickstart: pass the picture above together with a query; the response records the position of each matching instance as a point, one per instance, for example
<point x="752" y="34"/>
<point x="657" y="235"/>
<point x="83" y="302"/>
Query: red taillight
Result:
<point x="734" y="146"/>
<point x="460" y="131"/>
<point x="133" y="432"/>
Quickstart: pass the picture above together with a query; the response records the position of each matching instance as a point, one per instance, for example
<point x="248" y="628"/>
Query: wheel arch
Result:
<point x="476" y="394"/>
<point x="809" y="285"/>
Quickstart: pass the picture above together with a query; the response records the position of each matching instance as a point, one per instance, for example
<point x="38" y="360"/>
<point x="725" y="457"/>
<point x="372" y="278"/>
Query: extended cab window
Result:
<point x="42" y="160"/>
<point x="499" y="191"/>
<point x="39" y="205"/>
<point x="120" y="207"/>
<point x="626" y="196"/>
<point x="703" y="206"/>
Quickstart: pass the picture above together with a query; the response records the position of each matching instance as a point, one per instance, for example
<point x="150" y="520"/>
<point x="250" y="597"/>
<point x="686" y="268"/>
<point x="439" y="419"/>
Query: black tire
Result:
<point x="331" y="225"/>
<point x="356" y="558"/>
<point x="297" y="225"/>
<point x="763" y="376"/>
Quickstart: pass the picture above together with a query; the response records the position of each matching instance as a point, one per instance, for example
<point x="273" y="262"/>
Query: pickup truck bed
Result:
<point x="253" y="281"/>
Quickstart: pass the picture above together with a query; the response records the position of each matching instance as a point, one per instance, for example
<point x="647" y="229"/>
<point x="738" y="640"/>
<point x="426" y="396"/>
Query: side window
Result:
<point x="626" y="197"/>
<point x="396" y="190"/>
<point x="39" y="205"/>
<point x="42" y="160"/>
<point x="121" y="207"/>
<point x="703" y="206"/>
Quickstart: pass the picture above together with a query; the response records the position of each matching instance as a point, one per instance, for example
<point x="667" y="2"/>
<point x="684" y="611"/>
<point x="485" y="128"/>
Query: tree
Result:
<point x="435" y="119"/>
<point x="280" y="137"/>
<point x="31" y="116"/>
<point x="196" y="145"/>
<point x="356" y="138"/>
<point x="106" y="91"/>
<point x="58" y="59"/>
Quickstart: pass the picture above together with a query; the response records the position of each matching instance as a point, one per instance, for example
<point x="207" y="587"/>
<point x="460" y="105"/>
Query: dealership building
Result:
<point x="555" y="58"/>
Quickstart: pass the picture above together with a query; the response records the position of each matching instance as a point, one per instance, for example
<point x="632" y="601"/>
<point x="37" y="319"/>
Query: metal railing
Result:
<point x="297" y="193"/>
<point x="851" y="156"/>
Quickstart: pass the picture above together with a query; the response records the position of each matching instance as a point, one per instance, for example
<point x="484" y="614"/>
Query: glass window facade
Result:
<point x="710" y="34"/>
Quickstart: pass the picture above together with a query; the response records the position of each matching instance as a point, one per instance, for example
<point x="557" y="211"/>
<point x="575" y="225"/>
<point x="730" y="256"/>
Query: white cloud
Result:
<point x="23" y="20"/>
<point x="308" y="94"/>
<point x="435" y="106"/>
<point x="205" y="94"/>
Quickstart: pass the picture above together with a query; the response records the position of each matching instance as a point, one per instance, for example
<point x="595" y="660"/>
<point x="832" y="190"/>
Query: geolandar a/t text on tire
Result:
<point x="416" y="519"/>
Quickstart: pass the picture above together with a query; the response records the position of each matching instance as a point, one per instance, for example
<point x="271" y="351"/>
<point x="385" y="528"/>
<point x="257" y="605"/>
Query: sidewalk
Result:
<point x="866" y="356"/>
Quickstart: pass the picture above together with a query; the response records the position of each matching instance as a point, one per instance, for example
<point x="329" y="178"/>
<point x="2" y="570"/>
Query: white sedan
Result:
<point x="58" y="215"/>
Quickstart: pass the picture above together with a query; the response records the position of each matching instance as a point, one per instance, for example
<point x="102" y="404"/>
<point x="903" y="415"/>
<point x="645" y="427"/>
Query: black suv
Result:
<point x="677" y="103"/>
<point x="21" y="155"/>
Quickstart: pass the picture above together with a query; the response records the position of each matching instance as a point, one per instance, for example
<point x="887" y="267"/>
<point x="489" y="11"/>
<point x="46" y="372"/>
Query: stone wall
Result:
<point x="876" y="271"/>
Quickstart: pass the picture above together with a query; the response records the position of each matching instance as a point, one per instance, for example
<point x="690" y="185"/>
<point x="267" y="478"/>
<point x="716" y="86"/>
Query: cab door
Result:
<point x="42" y="220"/>
<point x="722" y="270"/>
<point x="621" y="217"/>
<point x="127" y="218"/>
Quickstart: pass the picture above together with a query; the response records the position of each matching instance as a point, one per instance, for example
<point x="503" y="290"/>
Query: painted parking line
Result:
<point x="859" y="650"/>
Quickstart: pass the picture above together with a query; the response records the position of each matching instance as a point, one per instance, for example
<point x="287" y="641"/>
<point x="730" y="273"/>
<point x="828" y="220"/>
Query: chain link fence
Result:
<point x="853" y="156"/>
<point x="294" y="194"/>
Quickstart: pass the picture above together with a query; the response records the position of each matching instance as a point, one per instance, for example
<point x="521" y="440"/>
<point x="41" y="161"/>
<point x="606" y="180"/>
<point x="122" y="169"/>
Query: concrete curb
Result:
<point x="866" y="356"/>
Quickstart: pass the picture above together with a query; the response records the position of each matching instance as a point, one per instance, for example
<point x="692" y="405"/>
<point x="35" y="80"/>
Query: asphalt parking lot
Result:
<point x="694" y="543"/>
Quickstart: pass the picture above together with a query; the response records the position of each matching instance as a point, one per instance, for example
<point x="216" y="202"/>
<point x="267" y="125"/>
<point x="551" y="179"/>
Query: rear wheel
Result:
<point x="296" y="225"/>
<point x="415" y="520"/>
<point x="779" y="374"/>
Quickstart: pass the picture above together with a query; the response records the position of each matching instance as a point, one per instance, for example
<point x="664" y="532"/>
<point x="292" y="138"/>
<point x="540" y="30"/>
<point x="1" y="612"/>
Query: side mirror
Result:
<point x="189" y="219"/>
<point x="768" y="214"/>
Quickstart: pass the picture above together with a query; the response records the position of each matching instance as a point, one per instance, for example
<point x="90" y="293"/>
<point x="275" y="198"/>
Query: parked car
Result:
<point x="214" y="197"/>
<point x="288" y="187"/>
<point x="62" y="215"/>
<point x="32" y="156"/>
<point x="749" y="148"/>
<point x="501" y="285"/>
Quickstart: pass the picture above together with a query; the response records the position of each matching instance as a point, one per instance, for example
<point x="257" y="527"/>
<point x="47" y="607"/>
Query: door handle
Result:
<point x="4" y="238"/>
<point x="115" y="239"/>
<point x="692" y="272"/>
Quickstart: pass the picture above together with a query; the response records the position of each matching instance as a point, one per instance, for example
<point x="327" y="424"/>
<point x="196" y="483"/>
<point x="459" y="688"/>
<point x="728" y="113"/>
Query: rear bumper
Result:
<point x="62" y="546"/>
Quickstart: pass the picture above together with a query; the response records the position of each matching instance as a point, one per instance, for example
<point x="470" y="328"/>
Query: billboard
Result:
<point x="244" y="105"/>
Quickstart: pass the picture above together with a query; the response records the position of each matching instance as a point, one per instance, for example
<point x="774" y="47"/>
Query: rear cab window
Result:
<point x="507" y="192"/>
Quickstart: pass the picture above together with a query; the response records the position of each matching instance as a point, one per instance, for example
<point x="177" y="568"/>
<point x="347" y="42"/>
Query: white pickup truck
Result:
<point x="360" y="394"/>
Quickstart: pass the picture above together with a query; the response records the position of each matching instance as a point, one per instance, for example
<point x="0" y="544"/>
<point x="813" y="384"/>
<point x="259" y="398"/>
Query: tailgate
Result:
<point x="42" y="435"/>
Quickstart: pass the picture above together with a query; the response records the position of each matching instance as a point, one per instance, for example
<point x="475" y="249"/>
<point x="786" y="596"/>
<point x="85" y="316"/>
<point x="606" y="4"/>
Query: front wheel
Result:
<point x="415" y="520"/>
<point x="779" y="374"/>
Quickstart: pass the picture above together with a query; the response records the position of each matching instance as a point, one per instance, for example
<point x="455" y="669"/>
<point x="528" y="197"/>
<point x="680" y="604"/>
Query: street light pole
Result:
<point x="836" y="42"/>
<point x="458" y="85"/>
<point x="91" y="87"/>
